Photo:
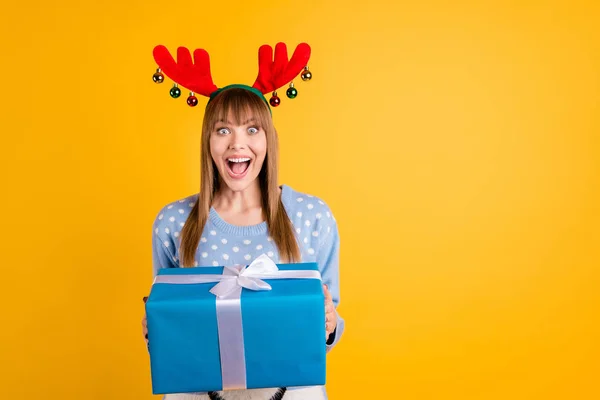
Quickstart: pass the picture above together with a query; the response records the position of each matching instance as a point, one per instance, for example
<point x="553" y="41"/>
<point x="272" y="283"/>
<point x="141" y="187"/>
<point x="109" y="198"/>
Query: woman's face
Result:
<point x="238" y="151"/>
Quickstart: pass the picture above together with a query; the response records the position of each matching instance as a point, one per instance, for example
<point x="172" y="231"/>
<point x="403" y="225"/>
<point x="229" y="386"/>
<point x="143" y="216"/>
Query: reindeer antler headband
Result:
<point x="196" y="76"/>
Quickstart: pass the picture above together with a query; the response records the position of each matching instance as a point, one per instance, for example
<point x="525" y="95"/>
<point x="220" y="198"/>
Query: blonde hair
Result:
<point x="239" y="104"/>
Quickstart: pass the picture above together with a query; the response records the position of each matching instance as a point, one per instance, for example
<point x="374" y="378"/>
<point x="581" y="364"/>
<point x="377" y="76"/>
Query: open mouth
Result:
<point x="238" y="166"/>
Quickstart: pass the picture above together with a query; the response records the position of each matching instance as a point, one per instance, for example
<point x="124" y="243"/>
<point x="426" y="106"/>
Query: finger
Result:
<point x="145" y="329"/>
<point x="329" y="327"/>
<point x="327" y="293"/>
<point x="329" y="308"/>
<point x="330" y="316"/>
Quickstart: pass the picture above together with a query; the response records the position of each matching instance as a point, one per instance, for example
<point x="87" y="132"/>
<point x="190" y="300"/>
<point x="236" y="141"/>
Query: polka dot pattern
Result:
<point x="312" y="222"/>
<point x="222" y="244"/>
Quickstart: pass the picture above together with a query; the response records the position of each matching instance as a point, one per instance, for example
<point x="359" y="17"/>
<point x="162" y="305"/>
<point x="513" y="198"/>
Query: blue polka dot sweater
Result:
<point x="222" y="243"/>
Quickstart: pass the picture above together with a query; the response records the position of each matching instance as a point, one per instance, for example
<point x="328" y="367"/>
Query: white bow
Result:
<point x="236" y="277"/>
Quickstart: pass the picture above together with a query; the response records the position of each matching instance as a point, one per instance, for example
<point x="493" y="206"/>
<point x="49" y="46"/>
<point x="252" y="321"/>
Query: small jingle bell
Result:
<point x="192" y="100"/>
<point x="292" y="92"/>
<point x="275" y="100"/>
<point x="158" y="77"/>
<point x="175" y="92"/>
<point x="306" y="74"/>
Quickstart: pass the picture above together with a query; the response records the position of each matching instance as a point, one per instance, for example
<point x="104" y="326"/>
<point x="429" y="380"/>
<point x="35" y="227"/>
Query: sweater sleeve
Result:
<point x="328" y="261"/>
<point x="162" y="256"/>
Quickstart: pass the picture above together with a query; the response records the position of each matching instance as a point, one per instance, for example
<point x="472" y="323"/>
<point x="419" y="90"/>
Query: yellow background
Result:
<point x="457" y="145"/>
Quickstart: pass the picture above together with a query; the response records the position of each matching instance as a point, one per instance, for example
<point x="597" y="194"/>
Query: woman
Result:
<point x="241" y="212"/>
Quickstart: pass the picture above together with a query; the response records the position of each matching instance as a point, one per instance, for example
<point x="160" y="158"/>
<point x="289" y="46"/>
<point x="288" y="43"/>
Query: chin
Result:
<point x="239" y="186"/>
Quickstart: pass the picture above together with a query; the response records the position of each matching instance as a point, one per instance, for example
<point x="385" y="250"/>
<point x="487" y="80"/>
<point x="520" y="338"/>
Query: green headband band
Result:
<point x="239" y="86"/>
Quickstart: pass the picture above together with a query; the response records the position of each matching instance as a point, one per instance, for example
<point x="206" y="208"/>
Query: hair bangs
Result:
<point x="238" y="107"/>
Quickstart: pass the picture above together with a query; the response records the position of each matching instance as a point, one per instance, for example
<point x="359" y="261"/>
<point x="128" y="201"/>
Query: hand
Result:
<point x="145" y="325"/>
<point x="330" y="314"/>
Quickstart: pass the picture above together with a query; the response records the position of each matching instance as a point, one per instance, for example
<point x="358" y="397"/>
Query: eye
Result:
<point x="252" y="130"/>
<point x="222" y="131"/>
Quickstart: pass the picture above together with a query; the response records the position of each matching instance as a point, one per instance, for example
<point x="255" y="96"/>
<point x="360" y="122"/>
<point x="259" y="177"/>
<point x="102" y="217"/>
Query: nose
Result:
<point x="236" y="146"/>
<point x="237" y="141"/>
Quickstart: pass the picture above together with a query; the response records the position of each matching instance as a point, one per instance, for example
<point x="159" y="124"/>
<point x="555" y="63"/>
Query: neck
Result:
<point x="238" y="201"/>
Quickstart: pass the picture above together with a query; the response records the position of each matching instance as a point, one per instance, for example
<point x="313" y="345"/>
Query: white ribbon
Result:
<point x="247" y="277"/>
<point x="228" y="291"/>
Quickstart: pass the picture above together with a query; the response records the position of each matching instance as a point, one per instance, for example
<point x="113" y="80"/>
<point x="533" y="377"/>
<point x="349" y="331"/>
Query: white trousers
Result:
<point x="309" y="393"/>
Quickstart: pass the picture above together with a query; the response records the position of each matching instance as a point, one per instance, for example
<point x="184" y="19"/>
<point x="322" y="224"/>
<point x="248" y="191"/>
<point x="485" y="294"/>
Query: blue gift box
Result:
<point x="283" y="335"/>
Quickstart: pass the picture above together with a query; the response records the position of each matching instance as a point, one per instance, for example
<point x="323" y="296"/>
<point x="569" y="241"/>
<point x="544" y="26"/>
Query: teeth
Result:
<point x="238" y="160"/>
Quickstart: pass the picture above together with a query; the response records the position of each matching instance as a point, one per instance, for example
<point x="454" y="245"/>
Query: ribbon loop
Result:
<point x="247" y="277"/>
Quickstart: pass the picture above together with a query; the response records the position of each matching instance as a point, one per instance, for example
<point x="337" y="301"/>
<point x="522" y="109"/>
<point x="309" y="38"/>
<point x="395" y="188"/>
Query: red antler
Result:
<point x="193" y="76"/>
<point x="274" y="74"/>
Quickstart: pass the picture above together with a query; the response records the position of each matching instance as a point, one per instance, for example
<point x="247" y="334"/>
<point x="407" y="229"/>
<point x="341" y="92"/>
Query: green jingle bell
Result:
<point x="292" y="92"/>
<point x="175" y="92"/>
